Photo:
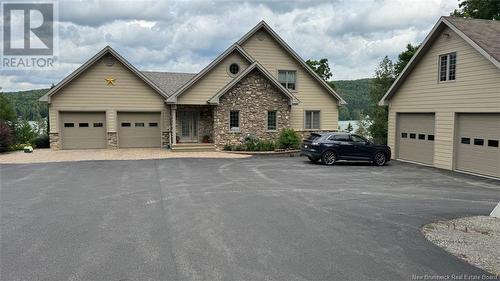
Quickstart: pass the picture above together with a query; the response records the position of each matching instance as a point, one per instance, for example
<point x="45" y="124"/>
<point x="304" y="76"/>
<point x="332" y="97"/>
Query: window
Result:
<point x="465" y="140"/>
<point x="83" y="125"/>
<point x="447" y="67"/>
<point x="69" y="125"/>
<point x="272" y="121"/>
<point x="153" y="124"/>
<point x="340" y="137"/>
<point x="139" y="124"/>
<point x="125" y="124"/>
<point x="478" y="142"/>
<point x="358" y="139"/>
<point x="493" y="143"/>
<point x="287" y="78"/>
<point x="421" y="136"/>
<point x="312" y="120"/>
<point x="404" y="135"/>
<point x="430" y="137"/>
<point x="234" y="121"/>
<point x="413" y="135"/>
<point x="98" y="125"/>
<point x="234" y="68"/>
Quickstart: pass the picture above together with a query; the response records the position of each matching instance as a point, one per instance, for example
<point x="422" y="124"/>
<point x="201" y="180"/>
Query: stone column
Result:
<point x="174" y="125"/>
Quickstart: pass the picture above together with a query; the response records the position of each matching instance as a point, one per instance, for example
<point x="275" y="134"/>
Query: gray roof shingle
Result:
<point x="485" y="33"/>
<point x="169" y="82"/>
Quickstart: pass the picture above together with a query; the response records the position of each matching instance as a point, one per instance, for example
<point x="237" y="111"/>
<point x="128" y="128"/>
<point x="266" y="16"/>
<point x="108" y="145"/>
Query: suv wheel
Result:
<point x="329" y="158"/>
<point x="379" y="159"/>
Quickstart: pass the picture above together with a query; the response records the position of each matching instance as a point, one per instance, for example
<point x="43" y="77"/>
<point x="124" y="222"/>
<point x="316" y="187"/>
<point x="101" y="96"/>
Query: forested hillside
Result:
<point x="357" y="95"/>
<point x="26" y="104"/>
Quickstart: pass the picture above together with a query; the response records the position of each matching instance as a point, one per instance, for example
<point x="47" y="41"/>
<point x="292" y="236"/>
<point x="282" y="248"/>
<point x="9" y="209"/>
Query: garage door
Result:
<point x="139" y="129"/>
<point x="476" y="143"/>
<point x="82" y="130"/>
<point x="415" y="136"/>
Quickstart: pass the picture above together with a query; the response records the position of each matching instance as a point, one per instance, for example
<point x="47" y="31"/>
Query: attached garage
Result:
<point x="139" y="129"/>
<point x="82" y="130"/>
<point x="415" y="136"/>
<point x="477" y="143"/>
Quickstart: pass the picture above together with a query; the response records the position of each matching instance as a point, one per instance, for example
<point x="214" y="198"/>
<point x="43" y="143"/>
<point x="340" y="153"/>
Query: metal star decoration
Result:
<point x="110" y="81"/>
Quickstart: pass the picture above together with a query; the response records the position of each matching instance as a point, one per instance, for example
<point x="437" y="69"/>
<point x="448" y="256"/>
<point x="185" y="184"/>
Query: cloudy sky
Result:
<point x="186" y="36"/>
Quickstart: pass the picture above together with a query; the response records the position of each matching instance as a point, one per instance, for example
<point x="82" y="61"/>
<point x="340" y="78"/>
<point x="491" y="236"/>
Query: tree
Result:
<point x="363" y="127"/>
<point x="405" y="57"/>
<point x="321" y="67"/>
<point x="349" y="127"/>
<point x="7" y="112"/>
<point x="478" y="9"/>
<point x="24" y="132"/>
<point x="384" y="77"/>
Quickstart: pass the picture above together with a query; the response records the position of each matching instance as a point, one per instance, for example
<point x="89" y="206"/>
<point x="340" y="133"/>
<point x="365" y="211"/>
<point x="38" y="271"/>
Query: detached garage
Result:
<point x="444" y="108"/>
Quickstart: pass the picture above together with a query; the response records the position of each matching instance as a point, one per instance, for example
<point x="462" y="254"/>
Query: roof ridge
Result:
<point x="152" y="71"/>
<point x="471" y="19"/>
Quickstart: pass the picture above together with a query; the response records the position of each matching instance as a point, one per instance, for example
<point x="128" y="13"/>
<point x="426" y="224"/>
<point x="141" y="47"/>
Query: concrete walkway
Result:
<point x="46" y="155"/>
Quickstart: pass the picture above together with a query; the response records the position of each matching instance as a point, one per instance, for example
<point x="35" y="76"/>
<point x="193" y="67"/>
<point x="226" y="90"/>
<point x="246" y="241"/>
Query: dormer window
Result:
<point x="287" y="78"/>
<point x="447" y="67"/>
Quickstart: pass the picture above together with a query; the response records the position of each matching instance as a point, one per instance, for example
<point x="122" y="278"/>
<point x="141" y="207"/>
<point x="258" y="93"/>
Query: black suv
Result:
<point x="330" y="147"/>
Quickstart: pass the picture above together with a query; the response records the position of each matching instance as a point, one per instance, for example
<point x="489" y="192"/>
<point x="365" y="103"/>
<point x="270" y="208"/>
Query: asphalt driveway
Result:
<point x="230" y="219"/>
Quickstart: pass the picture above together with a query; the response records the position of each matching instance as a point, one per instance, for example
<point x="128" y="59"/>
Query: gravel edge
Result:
<point x="475" y="240"/>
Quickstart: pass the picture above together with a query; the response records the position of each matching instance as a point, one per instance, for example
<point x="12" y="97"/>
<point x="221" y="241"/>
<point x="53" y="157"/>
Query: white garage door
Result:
<point x="139" y="129"/>
<point x="82" y="130"/>
<point x="415" y="137"/>
<point x="476" y="143"/>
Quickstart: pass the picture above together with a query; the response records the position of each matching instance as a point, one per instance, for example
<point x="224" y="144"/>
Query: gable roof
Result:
<point x="197" y="77"/>
<point x="482" y="35"/>
<point x="259" y="67"/>
<point x="90" y="62"/>
<point x="291" y="52"/>
<point x="169" y="82"/>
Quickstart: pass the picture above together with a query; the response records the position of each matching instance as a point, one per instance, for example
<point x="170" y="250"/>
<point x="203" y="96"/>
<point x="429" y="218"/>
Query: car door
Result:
<point x="361" y="148"/>
<point x="343" y="146"/>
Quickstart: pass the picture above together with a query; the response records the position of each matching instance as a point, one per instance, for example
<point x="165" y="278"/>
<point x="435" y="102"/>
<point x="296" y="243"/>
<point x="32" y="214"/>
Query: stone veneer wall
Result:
<point x="55" y="141"/>
<point x="253" y="96"/>
<point x="112" y="138"/>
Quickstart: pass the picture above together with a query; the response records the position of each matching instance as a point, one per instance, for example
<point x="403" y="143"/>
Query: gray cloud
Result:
<point x="186" y="36"/>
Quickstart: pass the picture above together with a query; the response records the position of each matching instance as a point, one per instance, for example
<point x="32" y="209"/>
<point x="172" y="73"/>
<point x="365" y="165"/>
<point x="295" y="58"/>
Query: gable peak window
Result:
<point x="288" y="78"/>
<point x="447" y="67"/>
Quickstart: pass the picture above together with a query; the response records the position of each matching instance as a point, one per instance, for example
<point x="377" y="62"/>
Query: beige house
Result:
<point x="258" y="86"/>
<point x="444" y="108"/>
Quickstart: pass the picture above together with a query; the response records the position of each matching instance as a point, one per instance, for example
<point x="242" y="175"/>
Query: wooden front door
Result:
<point x="189" y="126"/>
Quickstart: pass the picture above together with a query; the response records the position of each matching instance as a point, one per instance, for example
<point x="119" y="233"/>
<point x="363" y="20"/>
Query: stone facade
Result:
<point x="253" y="96"/>
<point x="112" y="138"/>
<point x="165" y="138"/>
<point x="55" y="141"/>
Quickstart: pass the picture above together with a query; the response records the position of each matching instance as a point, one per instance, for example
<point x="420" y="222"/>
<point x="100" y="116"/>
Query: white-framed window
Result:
<point x="288" y="78"/>
<point x="234" y="121"/>
<point x="272" y="120"/>
<point x="447" y="67"/>
<point x="311" y="121"/>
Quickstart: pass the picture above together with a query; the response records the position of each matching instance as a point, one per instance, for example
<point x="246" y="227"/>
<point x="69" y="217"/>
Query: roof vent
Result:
<point x="109" y="61"/>
<point x="261" y="36"/>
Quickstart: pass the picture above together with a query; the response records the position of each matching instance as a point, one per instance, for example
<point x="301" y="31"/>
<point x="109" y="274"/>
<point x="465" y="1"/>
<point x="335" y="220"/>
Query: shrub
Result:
<point x="24" y="132"/>
<point x="227" y="147"/>
<point x="6" y="136"/>
<point x="18" y="146"/>
<point x="42" y="141"/>
<point x="288" y="139"/>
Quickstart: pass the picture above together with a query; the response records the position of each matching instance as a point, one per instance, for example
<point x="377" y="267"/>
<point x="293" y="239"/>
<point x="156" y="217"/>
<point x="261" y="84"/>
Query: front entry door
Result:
<point x="189" y="126"/>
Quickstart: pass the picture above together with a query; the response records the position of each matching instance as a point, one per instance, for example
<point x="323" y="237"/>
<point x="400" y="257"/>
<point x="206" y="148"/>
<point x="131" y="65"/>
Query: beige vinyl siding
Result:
<point x="89" y="92"/>
<point x="476" y="89"/>
<point x="213" y="81"/>
<point x="311" y="94"/>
